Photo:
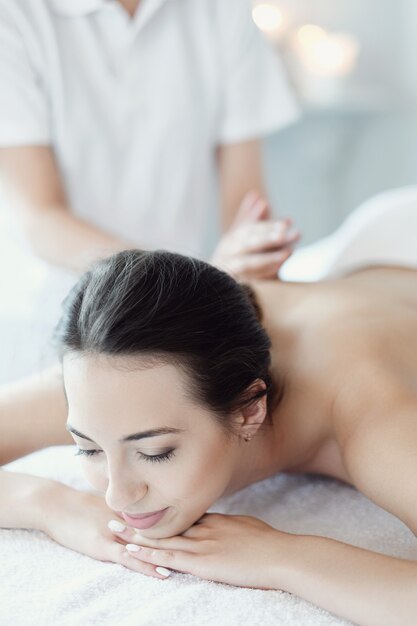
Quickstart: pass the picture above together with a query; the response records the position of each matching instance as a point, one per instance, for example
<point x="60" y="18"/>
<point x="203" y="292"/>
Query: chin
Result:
<point x="170" y="528"/>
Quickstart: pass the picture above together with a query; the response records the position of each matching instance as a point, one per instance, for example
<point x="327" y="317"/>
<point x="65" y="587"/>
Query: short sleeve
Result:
<point x="24" y="117"/>
<point x="256" y="97"/>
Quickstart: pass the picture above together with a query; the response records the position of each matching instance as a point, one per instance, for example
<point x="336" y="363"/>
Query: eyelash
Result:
<point x="156" y="458"/>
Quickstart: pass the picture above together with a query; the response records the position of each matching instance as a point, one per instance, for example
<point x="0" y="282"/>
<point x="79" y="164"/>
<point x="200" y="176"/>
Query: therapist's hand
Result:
<point x="255" y="246"/>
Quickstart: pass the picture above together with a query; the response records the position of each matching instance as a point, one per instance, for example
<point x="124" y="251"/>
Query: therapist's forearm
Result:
<point x="62" y="239"/>
<point x="240" y="171"/>
<point x="367" y="588"/>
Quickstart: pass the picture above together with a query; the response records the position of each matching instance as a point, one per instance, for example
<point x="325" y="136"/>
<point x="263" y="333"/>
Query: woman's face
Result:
<point x="113" y="405"/>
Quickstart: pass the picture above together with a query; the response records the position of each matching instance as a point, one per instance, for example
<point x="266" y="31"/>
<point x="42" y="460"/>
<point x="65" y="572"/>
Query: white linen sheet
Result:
<point x="43" y="583"/>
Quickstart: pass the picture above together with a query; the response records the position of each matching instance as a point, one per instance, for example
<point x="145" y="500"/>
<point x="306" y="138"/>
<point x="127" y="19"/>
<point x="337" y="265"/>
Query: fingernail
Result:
<point x="116" y="527"/>
<point x="163" y="571"/>
<point x="132" y="547"/>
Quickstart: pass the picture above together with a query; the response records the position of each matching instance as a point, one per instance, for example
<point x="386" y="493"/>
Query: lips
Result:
<point x="142" y="515"/>
<point x="146" y="520"/>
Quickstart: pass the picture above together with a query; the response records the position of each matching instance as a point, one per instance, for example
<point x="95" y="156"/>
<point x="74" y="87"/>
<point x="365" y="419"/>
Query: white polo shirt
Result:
<point x="135" y="107"/>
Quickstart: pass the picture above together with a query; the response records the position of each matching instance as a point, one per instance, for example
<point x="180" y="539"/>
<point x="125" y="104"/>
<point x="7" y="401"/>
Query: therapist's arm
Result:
<point x="36" y="194"/>
<point x="254" y="245"/>
<point x="240" y="171"/>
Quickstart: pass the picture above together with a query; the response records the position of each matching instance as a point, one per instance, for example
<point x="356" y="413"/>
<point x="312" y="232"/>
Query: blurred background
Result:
<point x="354" y="68"/>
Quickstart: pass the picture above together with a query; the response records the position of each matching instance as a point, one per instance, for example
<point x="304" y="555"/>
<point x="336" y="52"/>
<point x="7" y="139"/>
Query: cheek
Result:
<point x="95" y="473"/>
<point x="204" y="475"/>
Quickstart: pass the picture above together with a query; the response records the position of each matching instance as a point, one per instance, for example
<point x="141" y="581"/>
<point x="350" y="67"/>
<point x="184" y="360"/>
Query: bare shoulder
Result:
<point x="374" y="417"/>
<point x="380" y="457"/>
<point x="357" y="355"/>
<point x="370" y="362"/>
<point x="366" y="354"/>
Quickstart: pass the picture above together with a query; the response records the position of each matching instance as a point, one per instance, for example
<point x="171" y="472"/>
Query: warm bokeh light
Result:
<point x="323" y="53"/>
<point x="309" y="33"/>
<point x="268" y="17"/>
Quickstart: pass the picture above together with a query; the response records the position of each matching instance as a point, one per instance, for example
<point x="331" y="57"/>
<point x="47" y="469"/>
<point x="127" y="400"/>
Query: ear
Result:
<point x="247" y="420"/>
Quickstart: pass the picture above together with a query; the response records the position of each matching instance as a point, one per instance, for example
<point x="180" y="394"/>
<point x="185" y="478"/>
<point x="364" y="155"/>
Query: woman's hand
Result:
<point x="78" y="520"/>
<point x="234" y="549"/>
<point x="255" y="246"/>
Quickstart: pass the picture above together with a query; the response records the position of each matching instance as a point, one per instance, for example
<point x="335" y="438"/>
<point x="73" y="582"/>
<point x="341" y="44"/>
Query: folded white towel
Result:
<point x="43" y="583"/>
<point x="381" y="231"/>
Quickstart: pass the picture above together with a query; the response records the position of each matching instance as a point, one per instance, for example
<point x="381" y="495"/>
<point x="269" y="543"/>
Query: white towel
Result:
<point x="45" y="584"/>
<point x="381" y="231"/>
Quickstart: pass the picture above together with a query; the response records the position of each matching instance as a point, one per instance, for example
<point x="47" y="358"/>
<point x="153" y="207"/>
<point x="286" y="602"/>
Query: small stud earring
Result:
<point x="247" y="438"/>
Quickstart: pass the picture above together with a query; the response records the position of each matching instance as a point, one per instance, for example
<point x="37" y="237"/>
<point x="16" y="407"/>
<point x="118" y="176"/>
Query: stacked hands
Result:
<point x="255" y="246"/>
<point x="221" y="548"/>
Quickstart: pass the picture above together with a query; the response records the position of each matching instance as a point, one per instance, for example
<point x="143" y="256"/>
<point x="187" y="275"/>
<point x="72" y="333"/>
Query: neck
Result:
<point x="284" y="446"/>
<point x="294" y="437"/>
<point x="130" y="6"/>
<point x="255" y="461"/>
<point x="278" y="299"/>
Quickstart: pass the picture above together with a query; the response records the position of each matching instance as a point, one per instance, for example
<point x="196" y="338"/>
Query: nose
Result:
<point x="122" y="493"/>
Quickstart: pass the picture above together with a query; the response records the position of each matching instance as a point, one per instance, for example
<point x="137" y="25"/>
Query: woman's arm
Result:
<point x="33" y="412"/>
<point x="367" y="588"/>
<point x="23" y="499"/>
<point x="75" y="519"/>
<point x="36" y="194"/>
<point x="381" y="455"/>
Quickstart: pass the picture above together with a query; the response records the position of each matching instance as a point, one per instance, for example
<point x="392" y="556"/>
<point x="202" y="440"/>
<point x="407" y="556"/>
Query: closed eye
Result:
<point x="147" y="457"/>
<point x="81" y="451"/>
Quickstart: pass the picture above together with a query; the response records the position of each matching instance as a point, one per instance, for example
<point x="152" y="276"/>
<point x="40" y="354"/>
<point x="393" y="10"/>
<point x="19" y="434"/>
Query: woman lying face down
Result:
<point x="166" y="371"/>
<point x="154" y="340"/>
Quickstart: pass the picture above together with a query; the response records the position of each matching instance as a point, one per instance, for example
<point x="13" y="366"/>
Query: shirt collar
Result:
<point x="75" y="8"/>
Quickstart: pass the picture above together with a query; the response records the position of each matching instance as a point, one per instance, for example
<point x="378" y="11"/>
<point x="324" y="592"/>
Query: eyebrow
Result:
<point x="154" y="432"/>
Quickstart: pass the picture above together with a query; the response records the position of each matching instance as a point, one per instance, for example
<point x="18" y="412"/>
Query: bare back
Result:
<point x="348" y="350"/>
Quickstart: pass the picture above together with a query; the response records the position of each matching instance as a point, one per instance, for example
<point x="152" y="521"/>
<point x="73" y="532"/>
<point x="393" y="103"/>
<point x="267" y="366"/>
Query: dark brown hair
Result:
<point x="169" y="308"/>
